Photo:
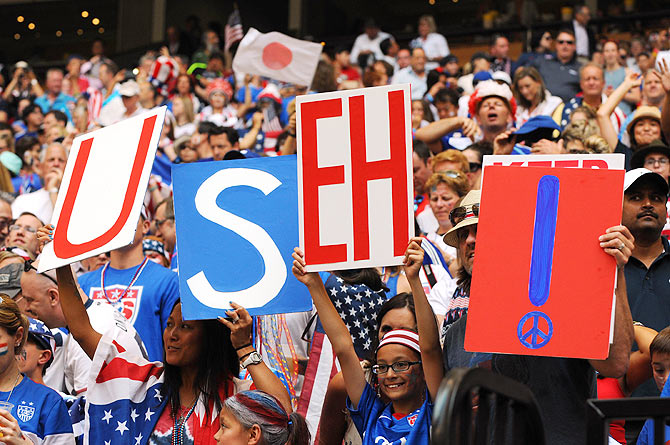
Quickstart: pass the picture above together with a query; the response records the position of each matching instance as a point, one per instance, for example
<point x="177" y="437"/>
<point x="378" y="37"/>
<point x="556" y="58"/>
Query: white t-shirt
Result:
<point x="38" y="203"/>
<point x="434" y="45"/>
<point x="69" y="371"/>
<point x="364" y="43"/>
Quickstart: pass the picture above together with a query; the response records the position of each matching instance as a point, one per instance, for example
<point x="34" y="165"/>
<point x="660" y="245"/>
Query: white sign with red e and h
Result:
<point x="103" y="187"/>
<point x="355" y="177"/>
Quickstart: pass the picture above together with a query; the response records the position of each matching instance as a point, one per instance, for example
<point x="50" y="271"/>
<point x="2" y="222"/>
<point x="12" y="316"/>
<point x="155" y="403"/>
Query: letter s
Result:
<point x="275" y="274"/>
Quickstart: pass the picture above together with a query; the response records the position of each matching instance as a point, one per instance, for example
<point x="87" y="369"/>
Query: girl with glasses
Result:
<point x="408" y="365"/>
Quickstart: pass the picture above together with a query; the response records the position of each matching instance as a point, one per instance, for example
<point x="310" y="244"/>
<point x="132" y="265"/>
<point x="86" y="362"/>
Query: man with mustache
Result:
<point x="648" y="269"/>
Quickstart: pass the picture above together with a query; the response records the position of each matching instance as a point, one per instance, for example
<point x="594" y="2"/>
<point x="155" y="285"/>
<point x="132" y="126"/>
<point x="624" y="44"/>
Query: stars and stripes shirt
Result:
<point x="458" y="305"/>
<point x="126" y="399"/>
<point x="358" y="306"/>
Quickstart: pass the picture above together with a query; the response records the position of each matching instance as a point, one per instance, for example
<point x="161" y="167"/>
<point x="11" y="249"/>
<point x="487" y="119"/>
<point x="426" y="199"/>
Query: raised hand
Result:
<point x="413" y="258"/>
<point x="240" y="325"/>
<point x="618" y="242"/>
<point x="309" y="279"/>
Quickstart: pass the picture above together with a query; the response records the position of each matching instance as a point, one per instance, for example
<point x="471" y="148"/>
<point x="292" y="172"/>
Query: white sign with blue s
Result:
<point x="237" y="225"/>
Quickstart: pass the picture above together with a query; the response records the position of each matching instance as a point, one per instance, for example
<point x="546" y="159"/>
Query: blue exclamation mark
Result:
<point x="541" y="261"/>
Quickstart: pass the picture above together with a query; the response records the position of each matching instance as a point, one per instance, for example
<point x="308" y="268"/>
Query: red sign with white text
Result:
<point x="355" y="177"/>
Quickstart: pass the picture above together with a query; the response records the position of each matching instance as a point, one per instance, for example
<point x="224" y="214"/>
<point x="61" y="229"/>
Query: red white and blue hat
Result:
<point x="401" y="337"/>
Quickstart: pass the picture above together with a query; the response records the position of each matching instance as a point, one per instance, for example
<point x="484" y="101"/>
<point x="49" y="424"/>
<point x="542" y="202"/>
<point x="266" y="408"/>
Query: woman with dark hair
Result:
<point x="258" y="417"/>
<point x="532" y="97"/>
<point x="184" y="87"/>
<point x="540" y="44"/>
<point x="185" y="393"/>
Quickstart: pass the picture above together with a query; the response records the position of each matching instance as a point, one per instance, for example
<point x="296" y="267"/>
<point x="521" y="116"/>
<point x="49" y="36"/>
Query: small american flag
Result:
<point x="233" y="29"/>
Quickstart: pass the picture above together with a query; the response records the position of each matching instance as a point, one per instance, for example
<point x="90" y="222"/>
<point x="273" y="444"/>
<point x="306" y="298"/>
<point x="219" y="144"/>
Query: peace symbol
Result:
<point x="535" y="337"/>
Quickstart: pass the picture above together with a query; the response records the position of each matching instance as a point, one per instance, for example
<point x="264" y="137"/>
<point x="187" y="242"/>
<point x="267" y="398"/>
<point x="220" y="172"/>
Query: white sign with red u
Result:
<point x="103" y="187"/>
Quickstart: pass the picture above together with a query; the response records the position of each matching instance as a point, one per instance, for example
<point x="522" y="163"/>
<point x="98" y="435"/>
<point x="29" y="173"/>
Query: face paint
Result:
<point x="3" y="349"/>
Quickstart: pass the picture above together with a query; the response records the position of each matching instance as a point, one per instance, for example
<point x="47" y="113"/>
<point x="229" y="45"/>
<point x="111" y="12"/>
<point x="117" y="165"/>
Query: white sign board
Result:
<point x="103" y="187"/>
<point x="355" y="177"/>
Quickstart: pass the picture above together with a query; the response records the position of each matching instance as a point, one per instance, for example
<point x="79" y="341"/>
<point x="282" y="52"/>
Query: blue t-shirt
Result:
<point x="147" y="304"/>
<point x="41" y="413"/>
<point x="376" y="424"/>
<point x="646" y="436"/>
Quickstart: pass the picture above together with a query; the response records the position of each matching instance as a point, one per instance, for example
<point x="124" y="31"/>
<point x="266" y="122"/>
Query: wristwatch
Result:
<point x="253" y="359"/>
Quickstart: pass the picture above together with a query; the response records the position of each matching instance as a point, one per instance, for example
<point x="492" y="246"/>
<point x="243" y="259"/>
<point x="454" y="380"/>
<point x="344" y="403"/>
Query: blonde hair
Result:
<point x="430" y="21"/>
<point x="189" y="112"/>
<point x="12" y="319"/>
<point x="580" y="131"/>
<point x="596" y="144"/>
<point x="457" y="181"/>
<point x="452" y="156"/>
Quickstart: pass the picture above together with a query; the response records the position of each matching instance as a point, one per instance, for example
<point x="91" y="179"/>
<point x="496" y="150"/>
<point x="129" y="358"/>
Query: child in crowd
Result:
<point x="659" y="349"/>
<point x="408" y="366"/>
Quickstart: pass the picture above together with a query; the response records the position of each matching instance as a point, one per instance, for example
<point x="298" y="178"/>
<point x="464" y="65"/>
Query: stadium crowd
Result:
<point x="99" y="353"/>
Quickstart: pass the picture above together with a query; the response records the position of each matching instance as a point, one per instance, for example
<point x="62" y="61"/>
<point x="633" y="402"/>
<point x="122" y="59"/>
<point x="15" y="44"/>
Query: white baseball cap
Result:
<point x="634" y="175"/>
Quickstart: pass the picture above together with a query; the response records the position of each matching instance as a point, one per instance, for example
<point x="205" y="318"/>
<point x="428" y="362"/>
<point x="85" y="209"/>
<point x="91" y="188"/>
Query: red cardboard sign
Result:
<point x="541" y="283"/>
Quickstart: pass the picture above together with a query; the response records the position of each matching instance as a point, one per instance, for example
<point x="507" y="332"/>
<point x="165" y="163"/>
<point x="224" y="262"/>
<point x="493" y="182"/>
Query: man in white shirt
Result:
<point x="585" y="40"/>
<point x="415" y="74"/>
<point x="368" y="42"/>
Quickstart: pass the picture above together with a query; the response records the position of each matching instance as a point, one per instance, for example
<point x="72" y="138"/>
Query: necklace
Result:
<point x="13" y="386"/>
<point x="180" y="426"/>
<point x="140" y="268"/>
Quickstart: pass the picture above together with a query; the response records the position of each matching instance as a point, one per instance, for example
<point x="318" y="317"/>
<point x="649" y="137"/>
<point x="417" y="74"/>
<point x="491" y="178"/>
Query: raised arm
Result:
<point x="606" y="127"/>
<point x="354" y="378"/>
<point x="664" y="77"/>
<point x="639" y="368"/>
<point x="431" y="133"/>
<point x="618" y="242"/>
<point x="71" y="302"/>
<point x="429" y="339"/>
<point x="240" y="337"/>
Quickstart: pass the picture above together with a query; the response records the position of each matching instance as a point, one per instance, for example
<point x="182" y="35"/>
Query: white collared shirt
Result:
<point x="581" y="39"/>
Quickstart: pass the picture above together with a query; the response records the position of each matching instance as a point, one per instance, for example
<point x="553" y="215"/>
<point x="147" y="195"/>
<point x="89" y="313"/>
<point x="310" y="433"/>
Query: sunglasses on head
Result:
<point x="28" y="266"/>
<point x="460" y="213"/>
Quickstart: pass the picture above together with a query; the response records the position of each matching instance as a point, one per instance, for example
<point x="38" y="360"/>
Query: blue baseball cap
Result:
<point x="539" y="127"/>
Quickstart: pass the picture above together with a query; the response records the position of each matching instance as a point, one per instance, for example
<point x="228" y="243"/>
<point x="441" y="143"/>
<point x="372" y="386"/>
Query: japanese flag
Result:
<point x="277" y="56"/>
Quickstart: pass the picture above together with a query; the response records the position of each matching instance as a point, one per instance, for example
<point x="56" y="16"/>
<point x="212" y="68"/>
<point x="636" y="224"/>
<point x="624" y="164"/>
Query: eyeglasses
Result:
<point x="475" y="166"/>
<point x="652" y="162"/>
<point x="14" y="227"/>
<point x="400" y="366"/>
<point x="565" y="42"/>
<point x="28" y="266"/>
<point x="460" y="213"/>
<point x="160" y="222"/>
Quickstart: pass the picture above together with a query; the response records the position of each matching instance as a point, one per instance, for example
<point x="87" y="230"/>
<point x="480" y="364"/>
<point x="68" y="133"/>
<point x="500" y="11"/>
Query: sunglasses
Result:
<point x="566" y="42"/>
<point x="475" y="166"/>
<point x="460" y="213"/>
<point x="28" y="266"/>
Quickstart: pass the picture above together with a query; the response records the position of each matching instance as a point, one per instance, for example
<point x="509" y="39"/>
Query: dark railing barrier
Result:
<point x="506" y="410"/>
<point x="601" y="411"/>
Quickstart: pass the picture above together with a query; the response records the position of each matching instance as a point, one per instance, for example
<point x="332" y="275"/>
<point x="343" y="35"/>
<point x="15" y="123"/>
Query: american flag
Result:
<point x="95" y="101"/>
<point x="233" y="29"/>
<point x="321" y="367"/>
<point x="126" y="400"/>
